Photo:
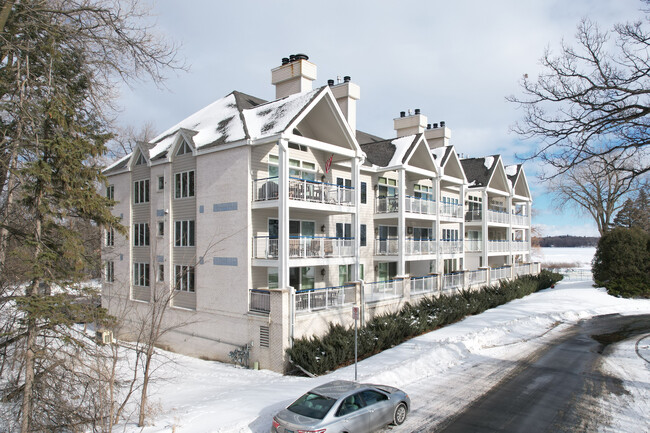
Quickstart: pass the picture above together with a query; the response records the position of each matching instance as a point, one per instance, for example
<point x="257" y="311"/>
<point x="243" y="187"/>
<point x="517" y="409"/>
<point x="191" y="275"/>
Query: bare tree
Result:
<point x="591" y="102"/>
<point x="597" y="189"/>
<point x="125" y="138"/>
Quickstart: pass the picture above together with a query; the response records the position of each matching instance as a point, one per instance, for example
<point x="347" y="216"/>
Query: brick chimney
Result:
<point x="411" y="124"/>
<point x="295" y="75"/>
<point x="347" y="94"/>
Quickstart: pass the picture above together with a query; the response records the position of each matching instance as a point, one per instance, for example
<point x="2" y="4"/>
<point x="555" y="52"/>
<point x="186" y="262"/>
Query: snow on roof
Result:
<point x="219" y="120"/>
<point x="273" y="117"/>
<point x="402" y="145"/>
<point x="511" y="170"/>
<point x="118" y="162"/>
<point x="488" y="162"/>
<point x="438" y="153"/>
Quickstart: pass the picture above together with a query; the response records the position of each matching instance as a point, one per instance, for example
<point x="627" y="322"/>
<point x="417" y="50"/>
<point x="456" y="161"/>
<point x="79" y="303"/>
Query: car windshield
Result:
<point x="312" y="405"/>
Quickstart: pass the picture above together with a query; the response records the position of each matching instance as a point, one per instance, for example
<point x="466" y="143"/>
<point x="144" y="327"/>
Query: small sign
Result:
<point x="355" y="313"/>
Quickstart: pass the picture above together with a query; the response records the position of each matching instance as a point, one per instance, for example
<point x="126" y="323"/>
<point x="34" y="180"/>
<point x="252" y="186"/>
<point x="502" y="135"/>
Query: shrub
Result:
<point x="335" y="349"/>
<point x="622" y="262"/>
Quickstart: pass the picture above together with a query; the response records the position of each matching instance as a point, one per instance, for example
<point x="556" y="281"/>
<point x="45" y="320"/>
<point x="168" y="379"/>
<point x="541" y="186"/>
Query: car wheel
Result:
<point x="400" y="414"/>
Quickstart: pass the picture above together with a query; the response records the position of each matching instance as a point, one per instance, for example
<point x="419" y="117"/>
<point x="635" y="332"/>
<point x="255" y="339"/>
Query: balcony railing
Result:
<point x="519" y="220"/>
<point x="421" y="246"/>
<point x="451" y="247"/>
<point x="451" y="210"/>
<point x="522" y="269"/>
<point x="477" y="277"/>
<point x="473" y="215"/>
<point x="304" y="190"/>
<point x="473" y="245"/>
<point x="386" y="247"/>
<point x="325" y="298"/>
<point x="452" y="281"/>
<point x="498" y="216"/>
<point x="259" y="301"/>
<point x="498" y="246"/>
<point x="519" y="245"/>
<point x="499" y="273"/>
<point x="386" y="204"/>
<point x="380" y="290"/>
<point x="419" y="205"/>
<point x="426" y="284"/>
<point x="265" y="247"/>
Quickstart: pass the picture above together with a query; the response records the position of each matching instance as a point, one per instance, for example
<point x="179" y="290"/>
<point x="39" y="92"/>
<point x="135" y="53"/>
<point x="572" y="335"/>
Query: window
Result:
<point x="141" y="191"/>
<point x="184" y="278"/>
<point x="161" y="183"/>
<point x="141" y="160"/>
<point x="302" y="169"/>
<point x="371" y="397"/>
<point x="273" y="166"/>
<point x="361" y="273"/>
<point x="345" y="274"/>
<point x="110" y="237"/>
<point x="110" y="192"/>
<point x="362" y="235"/>
<point x="184" y="234"/>
<point x="161" y="228"/>
<point x="350" y="404"/>
<point x="343" y="230"/>
<point x="364" y="193"/>
<point x="423" y="192"/>
<point x="161" y="273"/>
<point x="273" y="278"/>
<point x="184" y="149"/>
<point x="387" y="187"/>
<point x="422" y="233"/>
<point x="141" y="235"/>
<point x="184" y="184"/>
<point x="110" y="271"/>
<point x="141" y="274"/>
<point x="387" y="270"/>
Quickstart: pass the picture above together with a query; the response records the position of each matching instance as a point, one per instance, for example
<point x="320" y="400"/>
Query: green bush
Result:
<point x="335" y="349"/>
<point x="622" y="262"/>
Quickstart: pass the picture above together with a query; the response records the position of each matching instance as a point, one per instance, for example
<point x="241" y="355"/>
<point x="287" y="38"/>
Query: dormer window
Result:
<point x="184" y="149"/>
<point x="141" y="160"/>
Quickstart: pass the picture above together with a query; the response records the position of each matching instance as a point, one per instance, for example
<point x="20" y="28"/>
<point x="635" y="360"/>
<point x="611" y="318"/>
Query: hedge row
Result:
<point x="335" y="349"/>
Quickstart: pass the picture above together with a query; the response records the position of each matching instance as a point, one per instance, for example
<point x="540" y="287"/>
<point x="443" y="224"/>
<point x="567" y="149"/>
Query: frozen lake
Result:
<point x="581" y="257"/>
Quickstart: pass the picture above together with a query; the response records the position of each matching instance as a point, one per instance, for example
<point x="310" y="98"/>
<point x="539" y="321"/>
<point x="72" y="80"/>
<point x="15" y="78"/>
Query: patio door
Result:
<point x="302" y="278"/>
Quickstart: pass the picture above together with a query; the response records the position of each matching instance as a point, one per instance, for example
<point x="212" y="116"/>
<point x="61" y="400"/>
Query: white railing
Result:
<point x="451" y="247"/>
<point x="519" y="220"/>
<point x="477" y="276"/>
<point x="499" y="246"/>
<point x="420" y="246"/>
<point x="419" y="205"/>
<point x="499" y="273"/>
<point x="259" y="301"/>
<point x="496" y="216"/>
<point x="265" y="247"/>
<point x="304" y="190"/>
<point x="380" y="290"/>
<point x="473" y="245"/>
<point x="325" y="298"/>
<point x="386" y="204"/>
<point x="519" y="245"/>
<point x="386" y="247"/>
<point x="522" y="269"/>
<point x="473" y="215"/>
<point x="426" y="284"/>
<point x="452" y="281"/>
<point x="451" y="210"/>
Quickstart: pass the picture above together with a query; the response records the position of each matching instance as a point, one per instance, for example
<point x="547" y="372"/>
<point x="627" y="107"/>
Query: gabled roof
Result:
<point x="441" y="154"/>
<point x="479" y="170"/>
<point x="364" y="137"/>
<point x="517" y="180"/>
<point x="388" y="153"/>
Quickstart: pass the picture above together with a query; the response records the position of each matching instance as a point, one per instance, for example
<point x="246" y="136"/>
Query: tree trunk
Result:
<point x="145" y="384"/>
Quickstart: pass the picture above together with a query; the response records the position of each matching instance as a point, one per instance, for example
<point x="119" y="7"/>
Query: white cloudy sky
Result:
<point x="455" y="60"/>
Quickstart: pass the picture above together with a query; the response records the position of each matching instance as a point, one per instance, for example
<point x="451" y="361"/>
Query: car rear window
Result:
<point x="312" y="405"/>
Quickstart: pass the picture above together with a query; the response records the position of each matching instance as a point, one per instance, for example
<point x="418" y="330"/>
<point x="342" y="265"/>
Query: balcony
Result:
<point x="498" y="216"/>
<point x="386" y="247"/>
<point x="425" y="284"/>
<point x="259" y="301"/>
<point x="473" y="245"/>
<point x="304" y="190"/>
<point x="451" y="210"/>
<point x="499" y="273"/>
<point x="265" y="247"/>
<point x="519" y="220"/>
<point x="473" y="216"/>
<point x="386" y="204"/>
<point x="452" y="281"/>
<point x="326" y="298"/>
<point x="523" y="269"/>
<point x="382" y="290"/>
<point x="419" y="205"/>
<point x="498" y="246"/>
<point x="477" y="276"/>
<point x="519" y="245"/>
<point x="421" y="246"/>
<point x="451" y="247"/>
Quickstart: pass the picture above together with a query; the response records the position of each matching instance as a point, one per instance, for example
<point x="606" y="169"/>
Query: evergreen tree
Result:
<point x="625" y="217"/>
<point x="642" y="210"/>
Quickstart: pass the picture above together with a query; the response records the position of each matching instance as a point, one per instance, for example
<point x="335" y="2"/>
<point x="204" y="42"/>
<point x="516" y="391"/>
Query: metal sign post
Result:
<point x="355" y="316"/>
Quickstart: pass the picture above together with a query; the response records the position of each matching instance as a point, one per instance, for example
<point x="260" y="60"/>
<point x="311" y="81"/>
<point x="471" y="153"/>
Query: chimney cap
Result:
<point x="428" y="126"/>
<point x="417" y="111"/>
<point x="301" y="56"/>
<point x="346" y="79"/>
<point x="442" y="123"/>
<point x="402" y="114"/>
<point x="435" y="125"/>
<point x="285" y="60"/>
<point x="330" y="83"/>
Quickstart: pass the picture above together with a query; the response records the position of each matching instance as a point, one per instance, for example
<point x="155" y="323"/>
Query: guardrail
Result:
<point x="451" y="210"/>
<point x="324" y="298"/>
<point x="451" y="247"/>
<point x="499" y="273"/>
<point x="452" y="281"/>
<point x="426" y="284"/>
<point x="259" y="301"/>
<point x="265" y="247"/>
<point x="386" y="204"/>
<point x="473" y="245"/>
<point x="421" y="246"/>
<point x="498" y="246"/>
<point x="497" y="216"/>
<point x="304" y="190"/>
<point x="386" y="247"/>
<point x="419" y="205"/>
<point x="477" y="276"/>
<point x="381" y="290"/>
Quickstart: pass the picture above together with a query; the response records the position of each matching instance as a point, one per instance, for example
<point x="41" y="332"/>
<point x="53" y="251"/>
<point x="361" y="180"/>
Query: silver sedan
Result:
<point x="343" y="407"/>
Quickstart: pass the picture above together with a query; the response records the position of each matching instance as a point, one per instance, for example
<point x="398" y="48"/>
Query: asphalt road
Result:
<point x="552" y="391"/>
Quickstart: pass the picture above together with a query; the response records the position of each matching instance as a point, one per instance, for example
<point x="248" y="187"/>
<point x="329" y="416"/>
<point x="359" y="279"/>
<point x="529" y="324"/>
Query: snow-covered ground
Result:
<point x="459" y="362"/>
<point x="581" y="257"/>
